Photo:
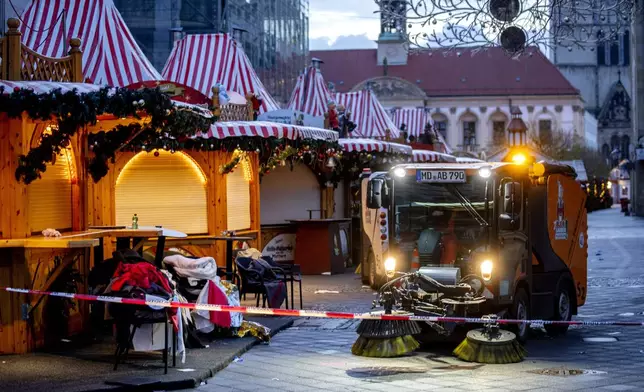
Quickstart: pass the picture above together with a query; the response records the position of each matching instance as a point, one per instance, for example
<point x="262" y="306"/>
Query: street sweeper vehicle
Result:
<point x="505" y="240"/>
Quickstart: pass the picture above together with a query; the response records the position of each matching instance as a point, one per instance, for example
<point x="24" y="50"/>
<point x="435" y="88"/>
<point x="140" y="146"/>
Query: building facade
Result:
<point x="601" y="71"/>
<point x="637" y="175"/>
<point x="468" y="94"/>
<point x="274" y="33"/>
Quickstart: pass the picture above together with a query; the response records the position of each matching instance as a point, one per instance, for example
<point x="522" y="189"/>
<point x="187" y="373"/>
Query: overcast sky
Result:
<point x="343" y="24"/>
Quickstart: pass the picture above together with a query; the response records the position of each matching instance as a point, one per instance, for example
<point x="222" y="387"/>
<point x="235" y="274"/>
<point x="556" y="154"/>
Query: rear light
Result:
<point x="383" y="237"/>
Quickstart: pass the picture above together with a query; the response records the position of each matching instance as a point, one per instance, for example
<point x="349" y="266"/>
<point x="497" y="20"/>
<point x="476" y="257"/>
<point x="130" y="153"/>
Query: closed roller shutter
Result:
<point x="50" y="197"/>
<point x="168" y="190"/>
<point x="238" y="199"/>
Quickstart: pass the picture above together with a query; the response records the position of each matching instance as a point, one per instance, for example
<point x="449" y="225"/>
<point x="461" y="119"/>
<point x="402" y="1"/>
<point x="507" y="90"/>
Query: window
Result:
<point x="545" y="131"/>
<point x="441" y="128"/>
<point x="498" y="133"/>
<point x="625" y="146"/>
<point x="601" y="49"/>
<point x="167" y="190"/>
<point x="626" y="48"/>
<point x="49" y="199"/>
<point x="614" y="52"/>
<point x="238" y="199"/>
<point x="469" y="133"/>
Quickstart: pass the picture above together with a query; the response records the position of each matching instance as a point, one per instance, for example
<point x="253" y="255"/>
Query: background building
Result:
<point x="274" y="33"/>
<point x="468" y="94"/>
<point x="637" y="175"/>
<point x="601" y="72"/>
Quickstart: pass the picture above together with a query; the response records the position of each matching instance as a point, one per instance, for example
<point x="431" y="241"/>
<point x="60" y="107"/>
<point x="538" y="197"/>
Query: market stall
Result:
<point x="202" y="61"/>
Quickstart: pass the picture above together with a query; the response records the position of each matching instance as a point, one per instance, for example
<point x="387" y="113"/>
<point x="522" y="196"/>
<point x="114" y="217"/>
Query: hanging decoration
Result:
<point x="238" y="156"/>
<point x="515" y="25"/>
<point x="71" y="111"/>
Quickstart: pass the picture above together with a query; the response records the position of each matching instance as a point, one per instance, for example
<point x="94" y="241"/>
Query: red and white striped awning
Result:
<point x="420" y="156"/>
<point x="111" y="56"/>
<point x="41" y="87"/>
<point x="310" y="94"/>
<point x="371" y="119"/>
<point x="415" y="120"/>
<point x="222" y="130"/>
<point x="202" y="60"/>
<point x="371" y="145"/>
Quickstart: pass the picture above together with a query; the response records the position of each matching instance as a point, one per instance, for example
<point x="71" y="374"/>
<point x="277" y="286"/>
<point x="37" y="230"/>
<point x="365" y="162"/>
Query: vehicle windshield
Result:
<point x="443" y="222"/>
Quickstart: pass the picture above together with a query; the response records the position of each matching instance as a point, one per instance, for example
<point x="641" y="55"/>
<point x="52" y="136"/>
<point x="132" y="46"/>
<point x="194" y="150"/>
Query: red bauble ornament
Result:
<point x="16" y="89"/>
<point x="156" y="153"/>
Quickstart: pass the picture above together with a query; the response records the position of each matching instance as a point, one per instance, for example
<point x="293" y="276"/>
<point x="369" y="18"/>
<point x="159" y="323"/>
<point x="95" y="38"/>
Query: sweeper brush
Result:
<point x="386" y="338"/>
<point x="490" y="345"/>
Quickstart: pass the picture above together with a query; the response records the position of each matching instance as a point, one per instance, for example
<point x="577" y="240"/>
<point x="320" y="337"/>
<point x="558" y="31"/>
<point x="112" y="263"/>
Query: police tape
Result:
<point x="312" y="313"/>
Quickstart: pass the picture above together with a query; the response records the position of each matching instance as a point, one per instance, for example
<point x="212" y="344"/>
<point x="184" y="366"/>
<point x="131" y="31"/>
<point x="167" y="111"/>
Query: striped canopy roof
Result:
<point x="202" y="60"/>
<point x="421" y="156"/>
<point x="310" y="94"/>
<point x="371" y="145"/>
<point x="222" y="130"/>
<point x="414" y="119"/>
<point x="371" y="119"/>
<point x="111" y="56"/>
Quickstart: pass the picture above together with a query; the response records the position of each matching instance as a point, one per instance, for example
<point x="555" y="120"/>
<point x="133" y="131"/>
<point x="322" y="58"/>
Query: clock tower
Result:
<point x="392" y="41"/>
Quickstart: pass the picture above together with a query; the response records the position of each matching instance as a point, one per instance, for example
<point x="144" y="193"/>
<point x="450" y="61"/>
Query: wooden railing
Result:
<point x="20" y="63"/>
<point x="231" y="111"/>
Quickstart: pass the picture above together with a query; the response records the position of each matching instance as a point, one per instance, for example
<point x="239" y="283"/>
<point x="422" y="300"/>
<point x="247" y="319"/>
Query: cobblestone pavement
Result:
<point x="315" y="354"/>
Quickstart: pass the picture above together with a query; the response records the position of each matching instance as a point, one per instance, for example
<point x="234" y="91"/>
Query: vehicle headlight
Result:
<point x="486" y="269"/>
<point x="400" y="172"/>
<point x="390" y="266"/>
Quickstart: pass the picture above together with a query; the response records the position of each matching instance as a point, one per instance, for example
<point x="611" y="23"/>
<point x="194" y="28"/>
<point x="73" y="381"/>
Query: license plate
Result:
<point x="441" y="176"/>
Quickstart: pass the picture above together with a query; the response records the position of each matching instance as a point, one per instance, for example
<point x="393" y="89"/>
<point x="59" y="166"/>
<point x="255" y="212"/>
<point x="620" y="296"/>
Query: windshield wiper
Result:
<point x="468" y="205"/>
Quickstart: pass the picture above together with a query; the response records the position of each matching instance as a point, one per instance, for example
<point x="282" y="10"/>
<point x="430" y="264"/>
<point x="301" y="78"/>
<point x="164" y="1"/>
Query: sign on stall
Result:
<point x="281" y="248"/>
<point x="293" y="117"/>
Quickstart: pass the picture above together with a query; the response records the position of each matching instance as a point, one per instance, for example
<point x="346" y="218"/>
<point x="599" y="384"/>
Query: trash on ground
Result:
<point x="237" y="359"/>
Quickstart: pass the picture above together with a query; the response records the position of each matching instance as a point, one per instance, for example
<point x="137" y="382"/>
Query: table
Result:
<point x="318" y="246"/>
<point x="229" y="252"/>
<point x="124" y="235"/>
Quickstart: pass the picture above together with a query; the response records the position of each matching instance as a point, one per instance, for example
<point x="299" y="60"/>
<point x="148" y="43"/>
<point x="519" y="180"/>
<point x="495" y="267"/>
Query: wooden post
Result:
<point x="77" y="60"/>
<point x="216" y="108"/>
<point x="13" y="59"/>
<point x="249" y="105"/>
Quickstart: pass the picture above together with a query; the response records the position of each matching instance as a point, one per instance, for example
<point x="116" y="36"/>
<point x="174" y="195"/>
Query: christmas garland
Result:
<point x="71" y="111"/>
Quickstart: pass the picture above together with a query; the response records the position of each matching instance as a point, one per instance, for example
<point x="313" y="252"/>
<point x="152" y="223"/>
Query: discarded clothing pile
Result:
<point x="128" y="275"/>
<point x="198" y="282"/>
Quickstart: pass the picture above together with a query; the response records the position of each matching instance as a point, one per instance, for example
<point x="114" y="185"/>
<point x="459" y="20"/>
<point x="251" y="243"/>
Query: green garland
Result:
<point x="71" y="111"/>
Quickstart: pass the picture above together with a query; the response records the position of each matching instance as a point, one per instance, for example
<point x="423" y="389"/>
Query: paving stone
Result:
<point x="316" y="353"/>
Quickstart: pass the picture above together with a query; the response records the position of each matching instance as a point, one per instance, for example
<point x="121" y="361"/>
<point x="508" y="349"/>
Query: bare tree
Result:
<point x="568" y="146"/>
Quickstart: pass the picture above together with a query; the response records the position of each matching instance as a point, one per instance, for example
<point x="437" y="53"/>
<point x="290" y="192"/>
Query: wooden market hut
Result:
<point x="215" y="198"/>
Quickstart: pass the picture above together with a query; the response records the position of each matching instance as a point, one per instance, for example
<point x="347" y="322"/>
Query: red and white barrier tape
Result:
<point x="310" y="313"/>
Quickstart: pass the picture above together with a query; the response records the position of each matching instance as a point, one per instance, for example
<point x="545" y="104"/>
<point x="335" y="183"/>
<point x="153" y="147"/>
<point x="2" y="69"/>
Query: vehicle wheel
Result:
<point x="521" y="311"/>
<point x="563" y="311"/>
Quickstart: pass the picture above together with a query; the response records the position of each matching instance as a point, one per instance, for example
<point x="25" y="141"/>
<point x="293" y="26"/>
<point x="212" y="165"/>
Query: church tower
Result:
<point x="392" y="41"/>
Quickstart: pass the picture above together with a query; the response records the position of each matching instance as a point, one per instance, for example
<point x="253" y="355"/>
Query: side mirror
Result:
<point x="510" y="217"/>
<point x="378" y="193"/>
<point x="374" y="193"/>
